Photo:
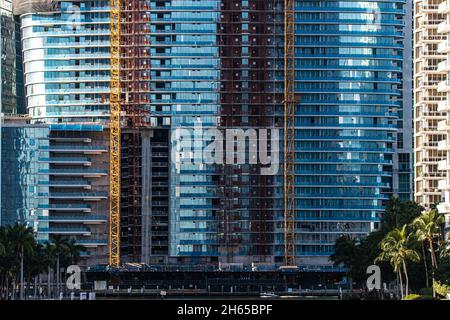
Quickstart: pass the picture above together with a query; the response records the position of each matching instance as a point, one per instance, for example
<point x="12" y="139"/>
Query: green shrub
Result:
<point x="441" y="289"/>
<point x="412" y="297"/>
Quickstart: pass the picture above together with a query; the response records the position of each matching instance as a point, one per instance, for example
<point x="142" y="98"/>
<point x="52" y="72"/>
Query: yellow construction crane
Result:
<point x="114" y="127"/>
<point x="289" y="136"/>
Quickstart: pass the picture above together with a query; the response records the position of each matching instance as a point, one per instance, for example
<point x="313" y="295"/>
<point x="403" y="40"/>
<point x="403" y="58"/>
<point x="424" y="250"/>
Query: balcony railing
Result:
<point x="442" y="145"/>
<point x="442" y="165"/>
<point x="442" y="66"/>
<point x="74" y="219"/>
<point x="444" y="7"/>
<point x="65" y="207"/>
<point x="443" y="86"/>
<point x="74" y="195"/>
<point x="443" y="27"/>
<point x="443" y="46"/>
<point x="92" y="243"/>
<point x="443" y="185"/>
<point x="66" y="231"/>
<point x="443" y="208"/>
<point x="74" y="149"/>
<point x="443" y="125"/>
<point x="66" y="183"/>
<point x="74" y="172"/>
<point x="443" y="106"/>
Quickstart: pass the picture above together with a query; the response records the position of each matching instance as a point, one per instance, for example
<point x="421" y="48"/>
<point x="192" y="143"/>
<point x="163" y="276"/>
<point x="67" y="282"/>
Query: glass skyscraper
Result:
<point x="348" y="71"/>
<point x="8" y="59"/>
<point x="66" y="55"/>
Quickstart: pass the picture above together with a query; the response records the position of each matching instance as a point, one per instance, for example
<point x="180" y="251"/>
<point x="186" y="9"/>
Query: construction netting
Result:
<point x="35" y="6"/>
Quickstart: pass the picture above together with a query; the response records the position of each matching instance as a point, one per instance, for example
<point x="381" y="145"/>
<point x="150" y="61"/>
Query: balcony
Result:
<point x="443" y="86"/>
<point x="89" y="219"/>
<point x="69" y="231"/>
<point x="443" y="185"/>
<point x="73" y="139"/>
<point x="444" y="7"/>
<point x="91" y="243"/>
<point x="92" y="173"/>
<point x="443" y="125"/>
<point x="443" y="46"/>
<point x="443" y="66"/>
<point x="443" y="106"/>
<point x="442" y="165"/>
<point x="443" y="27"/>
<point x="86" y="196"/>
<point x="65" y="207"/>
<point x="75" y="149"/>
<point x="66" y="184"/>
<point x="443" y="145"/>
<point x="443" y="207"/>
<point x="72" y="161"/>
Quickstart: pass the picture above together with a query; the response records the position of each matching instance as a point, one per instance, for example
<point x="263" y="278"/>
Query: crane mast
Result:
<point x="115" y="132"/>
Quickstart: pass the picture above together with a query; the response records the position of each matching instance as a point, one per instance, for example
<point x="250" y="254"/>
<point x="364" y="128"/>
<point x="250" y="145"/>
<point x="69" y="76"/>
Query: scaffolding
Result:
<point x="289" y="132"/>
<point x="135" y="76"/>
<point x="248" y="99"/>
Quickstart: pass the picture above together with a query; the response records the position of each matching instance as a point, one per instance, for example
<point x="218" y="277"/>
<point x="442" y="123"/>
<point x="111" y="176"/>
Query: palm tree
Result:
<point x="395" y="249"/>
<point x="427" y="229"/>
<point x="425" y="264"/>
<point x="392" y="213"/>
<point x="74" y="251"/>
<point x="4" y="262"/>
<point x="37" y="266"/>
<point x="50" y="254"/>
<point x="2" y="249"/>
<point x="22" y="237"/>
<point x="61" y="247"/>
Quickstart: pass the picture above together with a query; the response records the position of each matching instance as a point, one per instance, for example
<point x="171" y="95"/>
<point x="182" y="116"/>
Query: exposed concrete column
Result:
<point x="146" y="172"/>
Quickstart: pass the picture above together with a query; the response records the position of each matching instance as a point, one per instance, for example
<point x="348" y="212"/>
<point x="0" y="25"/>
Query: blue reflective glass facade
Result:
<point x="348" y="65"/>
<point x="20" y="177"/>
<point x="66" y="55"/>
<point x="55" y="178"/>
<point x="184" y="83"/>
<point x="9" y="67"/>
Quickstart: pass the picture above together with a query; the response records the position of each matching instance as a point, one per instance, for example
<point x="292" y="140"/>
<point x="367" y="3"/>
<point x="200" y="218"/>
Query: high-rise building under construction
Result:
<point x="190" y="66"/>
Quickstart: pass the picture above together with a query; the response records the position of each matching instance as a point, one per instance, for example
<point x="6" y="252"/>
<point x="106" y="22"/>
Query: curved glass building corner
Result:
<point x="66" y="62"/>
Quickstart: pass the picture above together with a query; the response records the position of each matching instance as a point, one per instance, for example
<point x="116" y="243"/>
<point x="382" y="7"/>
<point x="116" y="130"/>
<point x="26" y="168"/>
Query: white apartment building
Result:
<point x="444" y="106"/>
<point x="430" y="91"/>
